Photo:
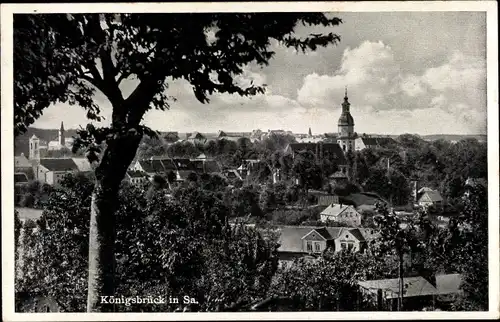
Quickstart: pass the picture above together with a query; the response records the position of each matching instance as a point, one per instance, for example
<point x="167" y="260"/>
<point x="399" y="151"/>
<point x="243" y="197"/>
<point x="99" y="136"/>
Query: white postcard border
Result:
<point x="7" y="150"/>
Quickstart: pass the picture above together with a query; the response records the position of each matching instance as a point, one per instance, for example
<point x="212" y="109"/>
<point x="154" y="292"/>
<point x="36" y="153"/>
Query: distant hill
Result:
<point x="435" y="137"/>
<point x="454" y="137"/>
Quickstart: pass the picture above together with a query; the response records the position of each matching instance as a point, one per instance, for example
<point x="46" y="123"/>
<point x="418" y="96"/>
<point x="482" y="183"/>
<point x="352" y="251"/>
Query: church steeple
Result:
<point x="310" y="132"/>
<point x="345" y="104"/>
<point x="346" y="126"/>
<point x="62" y="139"/>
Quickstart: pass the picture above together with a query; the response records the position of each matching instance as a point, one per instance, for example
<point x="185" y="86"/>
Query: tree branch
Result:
<point x="138" y="102"/>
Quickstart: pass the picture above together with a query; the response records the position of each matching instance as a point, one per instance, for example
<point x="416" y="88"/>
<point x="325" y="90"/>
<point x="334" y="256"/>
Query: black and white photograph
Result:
<point x="250" y="158"/>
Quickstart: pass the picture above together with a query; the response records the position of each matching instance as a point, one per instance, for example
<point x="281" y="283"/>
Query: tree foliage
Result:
<point x="67" y="57"/>
<point x="177" y="246"/>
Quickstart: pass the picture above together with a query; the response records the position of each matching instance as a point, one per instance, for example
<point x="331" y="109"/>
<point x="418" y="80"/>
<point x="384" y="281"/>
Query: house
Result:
<point x="321" y="150"/>
<point x="233" y="136"/>
<point x="250" y="166"/>
<point x="201" y="156"/>
<point x="427" y="198"/>
<point x="338" y="178"/>
<point x="181" y="167"/>
<point x="23" y="165"/>
<point x="369" y="142"/>
<point x="363" y="201"/>
<point x="20" y="161"/>
<point x="309" y="139"/>
<point x="474" y="182"/>
<point x="171" y="137"/>
<point x="154" y="166"/>
<point x="326" y="200"/>
<point x="196" y="138"/>
<point x="418" y="291"/>
<point x="340" y="213"/>
<point x="52" y="170"/>
<point x="136" y="177"/>
<point x="83" y="165"/>
<point x="20" y="178"/>
<point x="233" y="175"/>
<point x="309" y="242"/>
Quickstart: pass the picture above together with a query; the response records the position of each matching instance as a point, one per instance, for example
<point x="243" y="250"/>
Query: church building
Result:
<point x="346" y="137"/>
<point x="39" y="148"/>
<point x="52" y="170"/>
<point x="345" y="140"/>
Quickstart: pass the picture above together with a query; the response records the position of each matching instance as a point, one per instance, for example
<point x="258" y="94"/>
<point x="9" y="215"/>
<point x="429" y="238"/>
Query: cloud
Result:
<point x="366" y="70"/>
<point x="454" y="91"/>
<point x="405" y="72"/>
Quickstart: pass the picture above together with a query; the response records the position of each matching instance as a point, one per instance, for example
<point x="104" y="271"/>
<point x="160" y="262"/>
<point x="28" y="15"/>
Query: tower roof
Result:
<point x="346" y="117"/>
<point x="62" y="126"/>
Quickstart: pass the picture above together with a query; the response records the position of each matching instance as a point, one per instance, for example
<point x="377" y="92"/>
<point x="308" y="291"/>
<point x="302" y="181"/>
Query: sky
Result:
<point x="405" y="72"/>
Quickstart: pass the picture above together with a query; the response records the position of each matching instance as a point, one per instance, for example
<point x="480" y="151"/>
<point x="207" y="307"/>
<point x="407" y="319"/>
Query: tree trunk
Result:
<point x="109" y="174"/>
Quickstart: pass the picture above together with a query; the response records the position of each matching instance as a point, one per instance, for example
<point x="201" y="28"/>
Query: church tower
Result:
<point x="34" y="148"/>
<point x="62" y="139"/>
<point x="346" y="137"/>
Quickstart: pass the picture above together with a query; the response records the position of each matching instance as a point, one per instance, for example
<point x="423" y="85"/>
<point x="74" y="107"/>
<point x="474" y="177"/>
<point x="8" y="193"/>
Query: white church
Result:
<point x="52" y="170"/>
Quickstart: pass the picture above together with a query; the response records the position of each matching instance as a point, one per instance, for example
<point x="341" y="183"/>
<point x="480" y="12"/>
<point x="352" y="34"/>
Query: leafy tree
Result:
<point x="150" y="147"/>
<point x="171" y="177"/>
<point x="65" y="50"/>
<point x="213" y="182"/>
<point x="34" y="194"/>
<point x="17" y="233"/>
<point x="472" y="253"/>
<point x="177" y="246"/>
<point x="245" y="202"/>
<point x="397" y="241"/>
<point x="183" y="149"/>
<point x="211" y="148"/>
<point x="193" y="177"/>
<point x="326" y="284"/>
<point x="235" y="272"/>
<point x="307" y="171"/>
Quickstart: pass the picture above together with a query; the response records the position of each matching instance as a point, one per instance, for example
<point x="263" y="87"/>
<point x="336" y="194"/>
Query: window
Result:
<point x="317" y="247"/>
<point x="343" y="245"/>
<point x="350" y="246"/>
<point x="309" y="246"/>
